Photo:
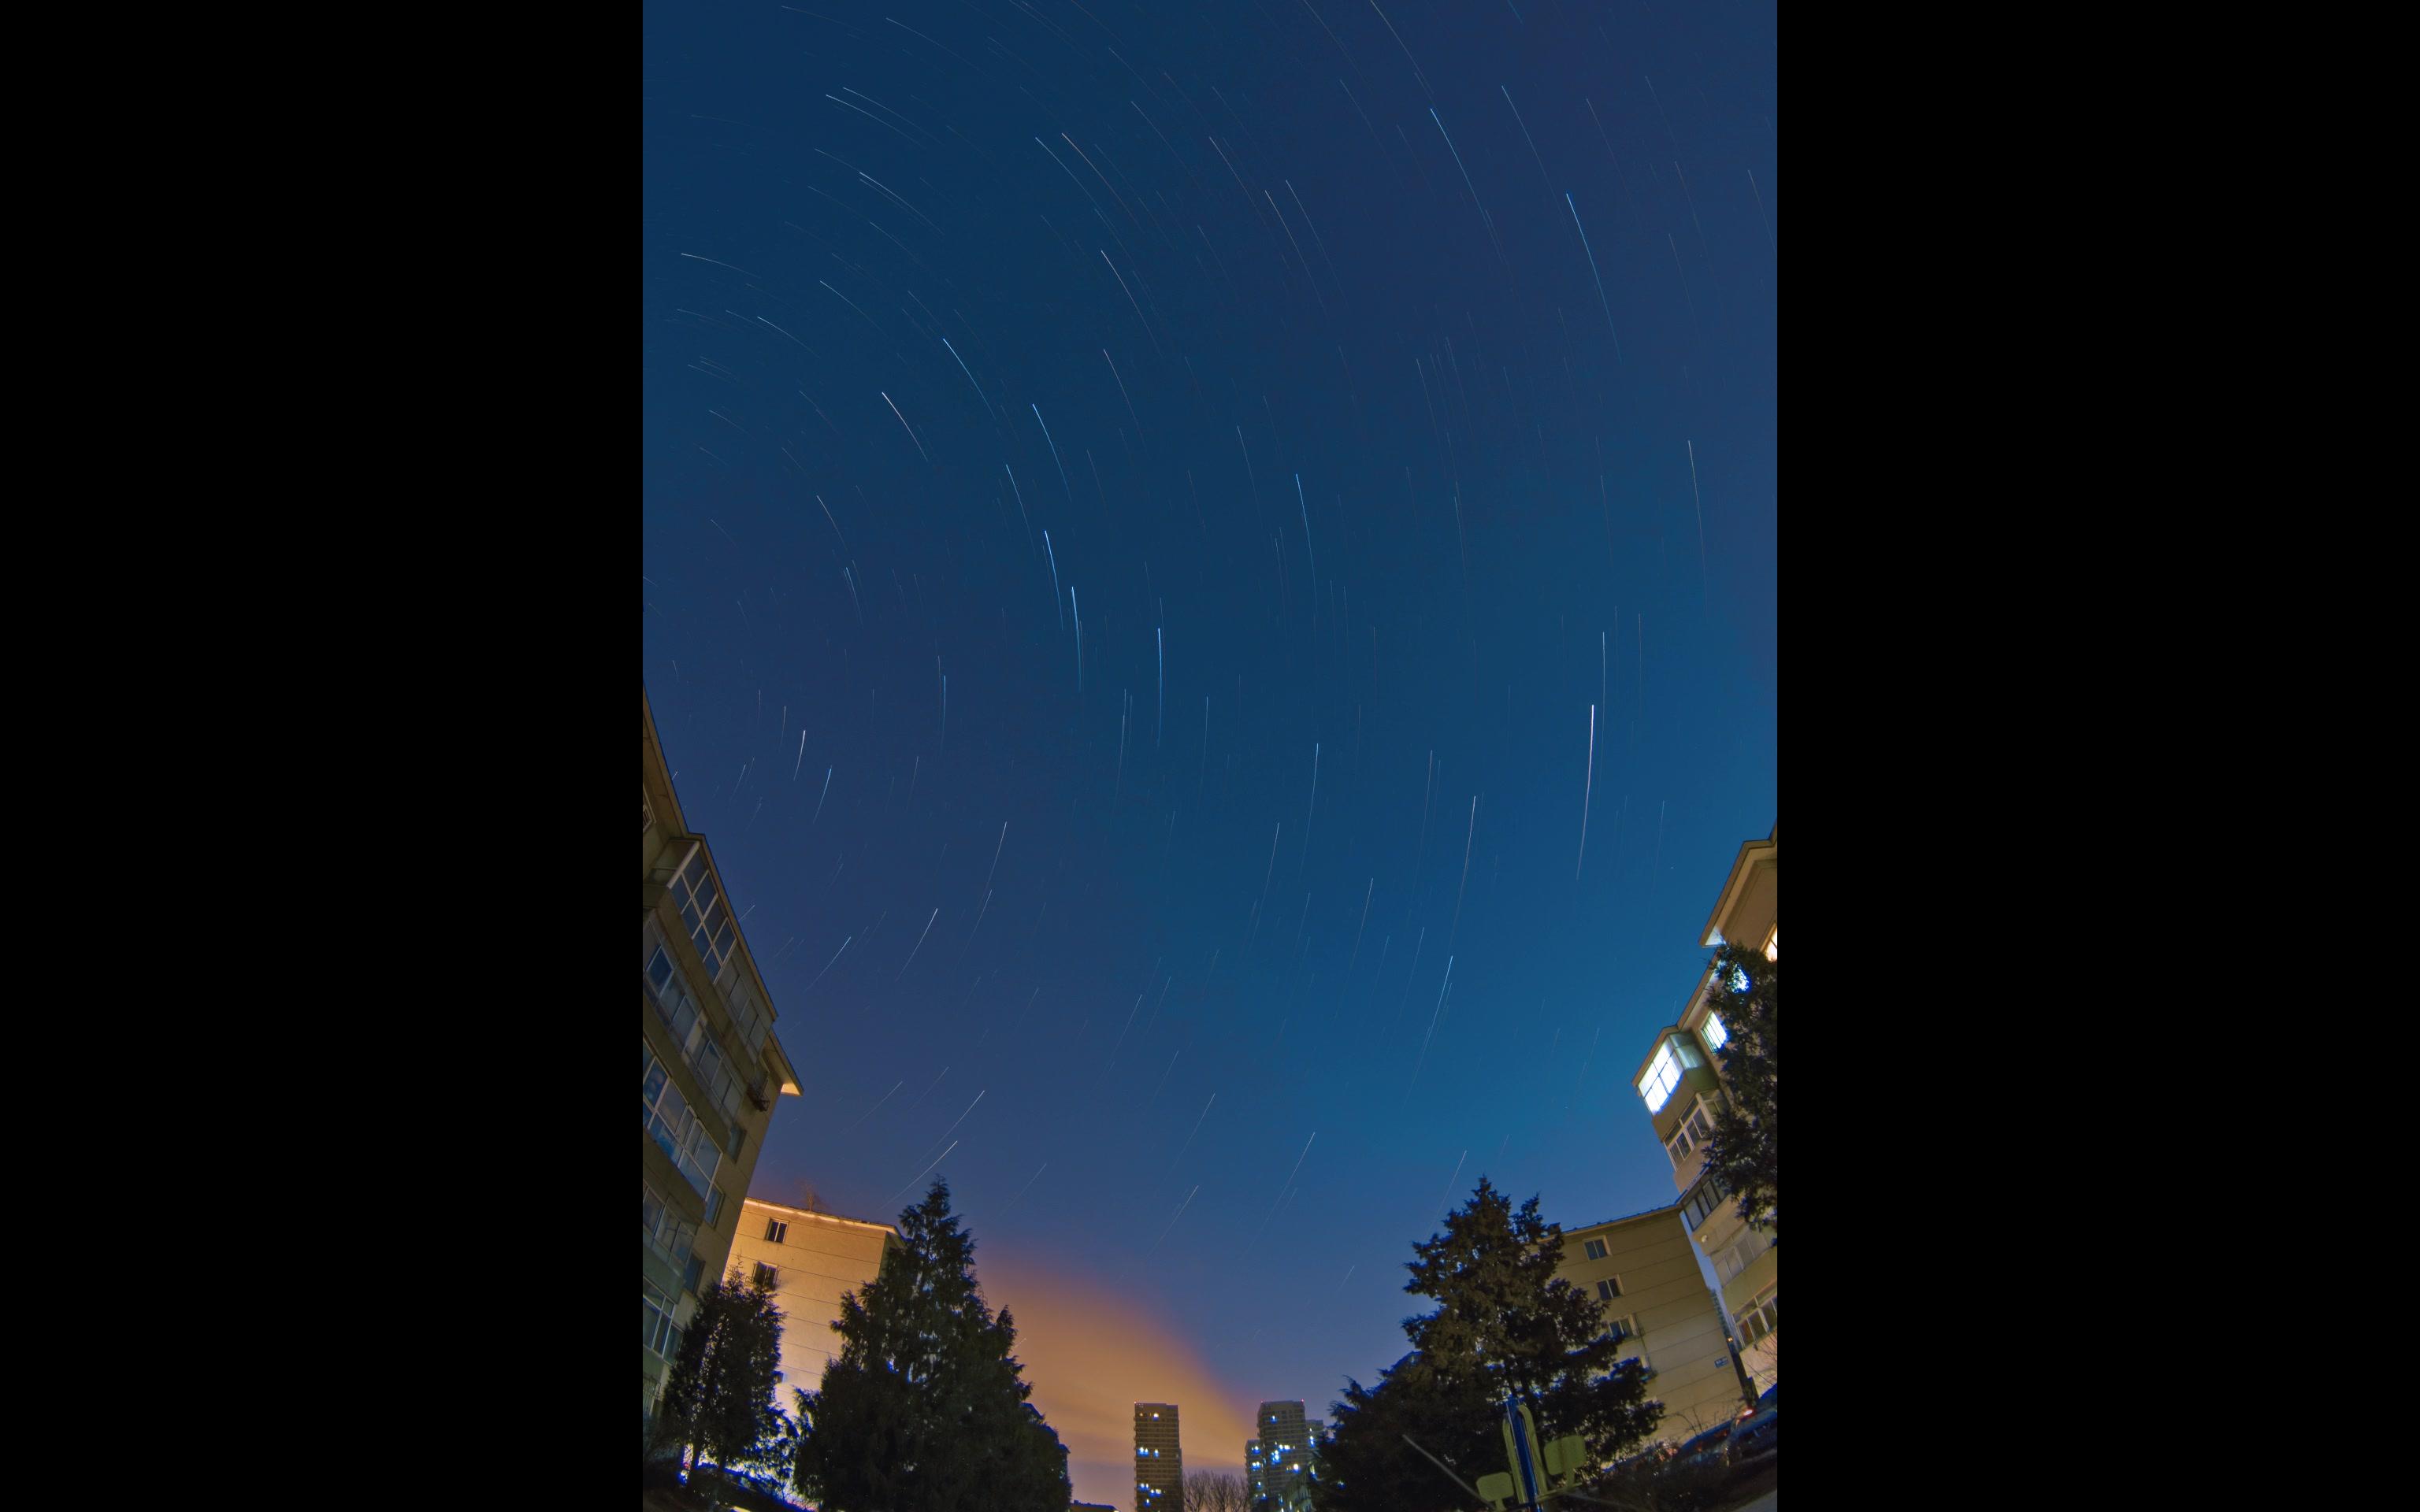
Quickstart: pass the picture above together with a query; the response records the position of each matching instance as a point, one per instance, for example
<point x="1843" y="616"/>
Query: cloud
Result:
<point x="1091" y="1353"/>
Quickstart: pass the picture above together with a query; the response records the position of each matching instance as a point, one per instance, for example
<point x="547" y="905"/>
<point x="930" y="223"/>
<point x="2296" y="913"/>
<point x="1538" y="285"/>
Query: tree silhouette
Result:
<point x="925" y="1407"/>
<point x="1506" y="1327"/>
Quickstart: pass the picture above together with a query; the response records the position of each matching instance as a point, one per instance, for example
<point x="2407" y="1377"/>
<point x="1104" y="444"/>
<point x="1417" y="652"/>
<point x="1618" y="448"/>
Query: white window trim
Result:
<point x="722" y="1084"/>
<point x="694" y="920"/>
<point x="1663" y="1076"/>
<point x="668" y="1332"/>
<point x="674" y="1237"/>
<point x="691" y="1139"/>
<point x="1755" y="1309"/>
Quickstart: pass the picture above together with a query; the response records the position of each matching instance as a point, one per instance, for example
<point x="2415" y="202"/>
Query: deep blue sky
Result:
<point x="1251" y="209"/>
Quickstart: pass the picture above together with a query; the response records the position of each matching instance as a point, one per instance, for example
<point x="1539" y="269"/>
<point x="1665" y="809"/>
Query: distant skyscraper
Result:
<point x="1279" y="1463"/>
<point x="1159" y="1460"/>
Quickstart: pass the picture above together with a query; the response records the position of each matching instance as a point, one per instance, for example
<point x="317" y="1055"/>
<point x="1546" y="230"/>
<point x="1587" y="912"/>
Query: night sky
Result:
<point x="1389" y="396"/>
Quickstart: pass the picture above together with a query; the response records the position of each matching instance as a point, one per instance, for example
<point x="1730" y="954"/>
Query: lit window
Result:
<point x="776" y="1230"/>
<point x="1663" y="1075"/>
<point x="1594" y="1249"/>
<point x="1716" y="1036"/>
<point x="1608" y="1288"/>
<point x="1773" y="945"/>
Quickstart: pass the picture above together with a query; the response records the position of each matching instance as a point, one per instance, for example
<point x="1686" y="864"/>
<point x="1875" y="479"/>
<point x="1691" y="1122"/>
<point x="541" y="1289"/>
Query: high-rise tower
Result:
<point x="1159" y="1460"/>
<point x="1279" y="1463"/>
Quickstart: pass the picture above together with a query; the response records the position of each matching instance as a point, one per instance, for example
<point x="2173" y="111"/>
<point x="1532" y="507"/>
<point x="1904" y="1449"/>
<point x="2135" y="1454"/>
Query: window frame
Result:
<point x="1602" y="1283"/>
<point x="1594" y="1249"/>
<point x="668" y="1119"/>
<point x="1667" y="1059"/>
<point x="1713" y="1030"/>
<point x="669" y="1234"/>
<point x="777" y="1231"/>
<point x="659" y="1334"/>
<point x="709" y="925"/>
<point x="1764" y="1311"/>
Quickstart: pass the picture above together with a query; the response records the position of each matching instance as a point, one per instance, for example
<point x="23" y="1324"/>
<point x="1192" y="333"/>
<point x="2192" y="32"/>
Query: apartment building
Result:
<point x="710" y="1071"/>
<point x="1278" y="1464"/>
<point x="1681" y="1083"/>
<point x="1645" y="1278"/>
<point x="1159" y="1459"/>
<point x="815" y="1258"/>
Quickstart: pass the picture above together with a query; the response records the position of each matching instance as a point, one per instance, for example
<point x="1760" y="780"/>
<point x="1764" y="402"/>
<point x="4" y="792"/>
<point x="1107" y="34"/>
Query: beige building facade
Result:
<point x="1645" y="1278"/>
<point x="816" y="1259"/>
<point x="1681" y="1083"/>
<point x="711" y="1067"/>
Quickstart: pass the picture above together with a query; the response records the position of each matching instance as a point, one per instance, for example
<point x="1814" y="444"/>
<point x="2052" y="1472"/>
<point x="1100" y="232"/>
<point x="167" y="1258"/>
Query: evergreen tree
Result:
<point x="1506" y="1326"/>
<point x="1743" y="1156"/>
<point x="924" y="1407"/>
<point x="718" y="1399"/>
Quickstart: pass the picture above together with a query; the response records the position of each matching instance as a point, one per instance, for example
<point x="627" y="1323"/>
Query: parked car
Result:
<point x="1703" y="1449"/>
<point x="1758" y="1435"/>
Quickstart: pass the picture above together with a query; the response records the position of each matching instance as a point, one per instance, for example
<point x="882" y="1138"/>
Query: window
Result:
<point x="747" y="1015"/>
<point x="662" y="1228"/>
<point x="713" y="1206"/>
<point x="661" y="1337"/>
<point x="1760" y="1317"/>
<point x="1624" y="1328"/>
<point x="668" y="1119"/>
<point x="693" y="1273"/>
<point x="646" y="813"/>
<point x="776" y="1230"/>
<point x="1716" y="1036"/>
<point x="689" y="1028"/>
<point x="766" y="1273"/>
<point x="1773" y="945"/>
<point x="702" y="912"/>
<point x="1594" y="1249"/>
<point x="1700" y="1122"/>
<point x="1608" y="1288"/>
<point x="1702" y="1204"/>
<point x="1663" y="1075"/>
<point x="1678" y="1146"/>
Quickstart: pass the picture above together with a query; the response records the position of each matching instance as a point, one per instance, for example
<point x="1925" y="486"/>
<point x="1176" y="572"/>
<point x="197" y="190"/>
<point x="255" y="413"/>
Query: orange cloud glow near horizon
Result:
<point x="1091" y="1354"/>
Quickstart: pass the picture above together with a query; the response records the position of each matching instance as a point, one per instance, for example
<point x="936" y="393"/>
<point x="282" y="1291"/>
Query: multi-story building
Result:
<point x="1681" y="1083"/>
<point x="1645" y="1278"/>
<point x="815" y="1258"/>
<point x="711" y="1069"/>
<point x="1277" y="1465"/>
<point x="1159" y="1459"/>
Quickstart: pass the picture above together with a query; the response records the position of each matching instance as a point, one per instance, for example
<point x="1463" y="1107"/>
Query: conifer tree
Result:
<point x="719" y="1399"/>
<point x="1506" y="1327"/>
<point x="1744" y="1155"/>
<point x="924" y="1407"/>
